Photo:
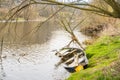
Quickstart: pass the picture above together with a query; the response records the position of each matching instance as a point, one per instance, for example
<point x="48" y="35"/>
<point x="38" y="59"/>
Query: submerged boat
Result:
<point x="74" y="59"/>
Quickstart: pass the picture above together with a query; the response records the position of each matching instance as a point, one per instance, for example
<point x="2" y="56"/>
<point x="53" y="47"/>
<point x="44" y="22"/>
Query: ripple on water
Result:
<point x="36" y="62"/>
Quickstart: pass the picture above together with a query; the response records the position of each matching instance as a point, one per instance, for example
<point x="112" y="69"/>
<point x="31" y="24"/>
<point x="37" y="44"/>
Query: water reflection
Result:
<point x="36" y="61"/>
<point x="26" y="32"/>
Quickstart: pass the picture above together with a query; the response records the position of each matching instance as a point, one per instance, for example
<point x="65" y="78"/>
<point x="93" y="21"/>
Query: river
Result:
<point x="36" y="61"/>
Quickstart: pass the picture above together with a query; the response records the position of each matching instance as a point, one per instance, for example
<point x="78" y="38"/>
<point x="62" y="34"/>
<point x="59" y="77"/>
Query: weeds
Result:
<point x="101" y="56"/>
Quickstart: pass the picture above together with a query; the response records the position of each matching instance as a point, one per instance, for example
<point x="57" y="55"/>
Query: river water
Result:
<point x="36" y="61"/>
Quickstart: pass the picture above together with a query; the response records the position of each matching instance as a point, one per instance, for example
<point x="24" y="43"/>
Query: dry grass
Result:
<point x="111" y="30"/>
<point x="112" y="71"/>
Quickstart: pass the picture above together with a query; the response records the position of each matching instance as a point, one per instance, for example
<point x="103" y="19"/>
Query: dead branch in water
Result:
<point x="1" y="48"/>
<point x="67" y="27"/>
<point x="1" y="61"/>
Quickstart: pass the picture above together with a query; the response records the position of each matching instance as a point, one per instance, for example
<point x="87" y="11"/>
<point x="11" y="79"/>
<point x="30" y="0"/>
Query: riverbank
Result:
<point x="104" y="62"/>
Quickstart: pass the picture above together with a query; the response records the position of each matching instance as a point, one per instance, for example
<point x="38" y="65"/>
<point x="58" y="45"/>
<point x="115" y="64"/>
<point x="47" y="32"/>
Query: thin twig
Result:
<point x="35" y="29"/>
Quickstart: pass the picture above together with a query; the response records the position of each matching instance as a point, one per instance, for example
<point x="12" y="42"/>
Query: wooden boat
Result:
<point x="74" y="59"/>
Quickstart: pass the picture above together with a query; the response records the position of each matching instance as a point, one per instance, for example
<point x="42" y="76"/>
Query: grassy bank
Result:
<point x="103" y="58"/>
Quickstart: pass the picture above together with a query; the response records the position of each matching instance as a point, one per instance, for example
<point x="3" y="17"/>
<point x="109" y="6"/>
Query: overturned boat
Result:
<point x="74" y="59"/>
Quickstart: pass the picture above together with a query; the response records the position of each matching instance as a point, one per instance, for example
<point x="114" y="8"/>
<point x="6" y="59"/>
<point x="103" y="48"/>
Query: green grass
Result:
<point x="101" y="55"/>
